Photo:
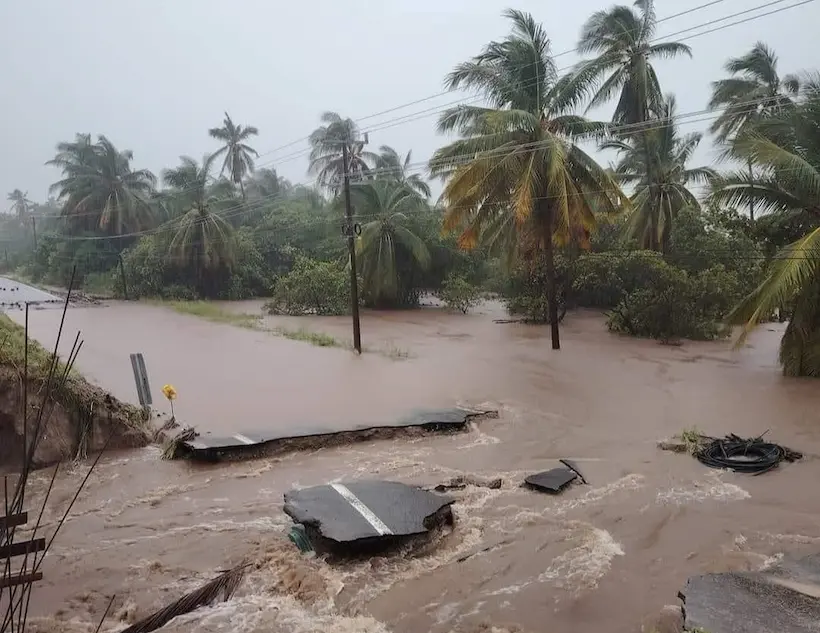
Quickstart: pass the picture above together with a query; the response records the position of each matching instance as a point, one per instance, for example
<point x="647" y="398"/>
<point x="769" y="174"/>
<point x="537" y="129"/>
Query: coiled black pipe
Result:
<point x="752" y="456"/>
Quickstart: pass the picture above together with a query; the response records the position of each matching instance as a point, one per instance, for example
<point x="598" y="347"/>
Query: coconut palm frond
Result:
<point x="220" y="588"/>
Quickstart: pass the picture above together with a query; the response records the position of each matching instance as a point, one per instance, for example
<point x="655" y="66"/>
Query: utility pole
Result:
<point x="34" y="230"/>
<point x="351" y="247"/>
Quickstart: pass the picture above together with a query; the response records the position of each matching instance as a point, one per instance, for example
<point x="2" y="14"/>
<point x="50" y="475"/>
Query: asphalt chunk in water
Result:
<point x="366" y="516"/>
<point x="783" y="599"/>
<point x="551" y="481"/>
<point x="250" y="444"/>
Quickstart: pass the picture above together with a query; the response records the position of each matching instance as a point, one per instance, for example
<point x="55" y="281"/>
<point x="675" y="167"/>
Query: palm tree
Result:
<point x="386" y="245"/>
<point x="20" y="204"/>
<point x="753" y="91"/>
<point x="202" y="238"/>
<point x="73" y="154"/>
<point x="238" y="154"/>
<point x="327" y="149"/>
<point x="660" y="193"/>
<point x="100" y="191"/>
<point x="785" y="149"/>
<point x="391" y="166"/>
<point x="526" y="177"/>
<point x="622" y="38"/>
<point x="265" y="184"/>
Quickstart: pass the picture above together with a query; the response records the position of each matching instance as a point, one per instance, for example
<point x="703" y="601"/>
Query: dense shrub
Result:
<point x="151" y="273"/>
<point x="311" y="288"/>
<point x="600" y="280"/>
<point x="645" y="294"/>
<point x="459" y="294"/>
<point x="673" y="304"/>
<point x="55" y="257"/>
<point x="525" y="294"/>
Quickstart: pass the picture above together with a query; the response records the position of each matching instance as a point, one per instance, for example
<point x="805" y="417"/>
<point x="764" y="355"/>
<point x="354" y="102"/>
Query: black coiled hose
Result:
<point x="753" y="456"/>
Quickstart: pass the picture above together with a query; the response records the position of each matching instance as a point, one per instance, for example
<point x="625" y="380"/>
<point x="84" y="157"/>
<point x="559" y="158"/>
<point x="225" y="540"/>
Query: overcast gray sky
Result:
<point x="154" y="75"/>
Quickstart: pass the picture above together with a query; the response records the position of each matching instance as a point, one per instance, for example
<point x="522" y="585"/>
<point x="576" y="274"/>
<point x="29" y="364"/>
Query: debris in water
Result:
<point x="256" y="444"/>
<point x="462" y="481"/>
<point x="745" y="456"/>
<point x="173" y="447"/>
<point x="366" y="516"/>
<point x="299" y="538"/>
<point x="783" y="599"/>
<point x="751" y="455"/>
<point x="222" y="587"/>
<point x="555" y="480"/>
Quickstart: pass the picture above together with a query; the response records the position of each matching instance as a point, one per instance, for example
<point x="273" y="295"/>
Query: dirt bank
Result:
<point x="78" y="417"/>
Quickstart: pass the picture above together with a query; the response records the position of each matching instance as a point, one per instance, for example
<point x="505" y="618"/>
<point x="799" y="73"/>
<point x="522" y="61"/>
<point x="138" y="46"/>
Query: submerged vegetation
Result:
<point x="669" y="248"/>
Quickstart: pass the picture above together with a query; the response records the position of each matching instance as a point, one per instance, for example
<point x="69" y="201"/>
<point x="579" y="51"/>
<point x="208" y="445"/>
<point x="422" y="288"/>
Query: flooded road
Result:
<point x="606" y="556"/>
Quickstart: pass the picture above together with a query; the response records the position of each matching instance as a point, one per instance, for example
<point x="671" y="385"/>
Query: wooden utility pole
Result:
<point x="34" y="230"/>
<point x="351" y="247"/>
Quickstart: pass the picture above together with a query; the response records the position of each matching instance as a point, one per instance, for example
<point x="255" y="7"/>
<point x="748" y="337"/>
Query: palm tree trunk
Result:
<point x="751" y="201"/>
<point x="242" y="189"/>
<point x="552" y="298"/>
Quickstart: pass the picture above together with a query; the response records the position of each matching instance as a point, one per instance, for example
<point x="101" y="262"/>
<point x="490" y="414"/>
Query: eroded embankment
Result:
<point x="74" y="416"/>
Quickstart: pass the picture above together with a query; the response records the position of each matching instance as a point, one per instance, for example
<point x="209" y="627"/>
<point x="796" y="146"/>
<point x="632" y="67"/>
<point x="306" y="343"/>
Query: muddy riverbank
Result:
<point x="148" y="530"/>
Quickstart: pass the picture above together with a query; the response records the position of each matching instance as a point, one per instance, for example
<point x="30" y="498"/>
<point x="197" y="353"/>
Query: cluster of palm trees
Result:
<point x="198" y="208"/>
<point x="102" y="194"/>
<point x="385" y="192"/>
<point x="518" y="179"/>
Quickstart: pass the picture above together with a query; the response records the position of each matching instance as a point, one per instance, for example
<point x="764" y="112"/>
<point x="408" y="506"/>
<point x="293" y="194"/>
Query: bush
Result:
<point x="526" y="291"/>
<point x="601" y="280"/>
<point x="311" y="288"/>
<point x="459" y="294"/>
<point x="675" y="304"/>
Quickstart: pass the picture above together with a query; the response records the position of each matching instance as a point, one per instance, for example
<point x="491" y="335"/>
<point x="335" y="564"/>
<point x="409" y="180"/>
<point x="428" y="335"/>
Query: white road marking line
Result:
<point x="368" y="514"/>
<point x="243" y="439"/>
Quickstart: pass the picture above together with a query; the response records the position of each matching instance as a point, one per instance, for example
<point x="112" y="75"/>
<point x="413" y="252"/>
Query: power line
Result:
<point x="445" y="92"/>
<point x="613" y="130"/>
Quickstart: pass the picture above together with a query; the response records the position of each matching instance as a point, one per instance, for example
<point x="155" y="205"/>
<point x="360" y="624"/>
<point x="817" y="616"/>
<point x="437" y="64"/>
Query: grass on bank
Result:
<point x="214" y="312"/>
<point x="12" y="351"/>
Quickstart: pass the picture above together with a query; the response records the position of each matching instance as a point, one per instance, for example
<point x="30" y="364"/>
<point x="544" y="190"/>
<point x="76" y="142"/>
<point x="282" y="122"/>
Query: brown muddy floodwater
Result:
<point x="602" y="557"/>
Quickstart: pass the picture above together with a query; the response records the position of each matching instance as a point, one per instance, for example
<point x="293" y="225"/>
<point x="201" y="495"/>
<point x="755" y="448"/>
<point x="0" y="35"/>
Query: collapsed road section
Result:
<point x="366" y="516"/>
<point x="251" y="444"/>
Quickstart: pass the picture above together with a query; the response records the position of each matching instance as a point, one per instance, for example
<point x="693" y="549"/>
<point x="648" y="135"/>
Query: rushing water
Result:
<point x="606" y="556"/>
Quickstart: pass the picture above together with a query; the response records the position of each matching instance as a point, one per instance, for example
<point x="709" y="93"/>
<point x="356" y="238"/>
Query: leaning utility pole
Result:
<point x="351" y="247"/>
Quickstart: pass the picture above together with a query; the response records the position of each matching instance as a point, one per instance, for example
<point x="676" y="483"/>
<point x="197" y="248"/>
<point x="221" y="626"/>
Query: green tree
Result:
<point x="622" y="39"/>
<point x="661" y="193"/>
<point x="753" y="90"/>
<point x="528" y="184"/>
<point x="786" y="150"/>
<point x="265" y="184"/>
<point x="20" y="204"/>
<point x="389" y="165"/>
<point x="238" y="154"/>
<point x="389" y="251"/>
<point x="202" y="239"/>
<point x="99" y="189"/>
<point x="327" y="147"/>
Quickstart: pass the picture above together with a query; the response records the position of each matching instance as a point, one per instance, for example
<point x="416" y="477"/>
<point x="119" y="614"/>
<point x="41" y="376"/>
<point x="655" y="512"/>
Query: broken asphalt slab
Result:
<point x="782" y="599"/>
<point x="555" y="480"/>
<point x="252" y="443"/>
<point x="366" y="515"/>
